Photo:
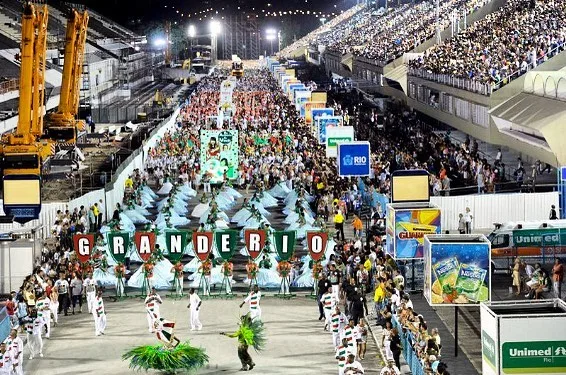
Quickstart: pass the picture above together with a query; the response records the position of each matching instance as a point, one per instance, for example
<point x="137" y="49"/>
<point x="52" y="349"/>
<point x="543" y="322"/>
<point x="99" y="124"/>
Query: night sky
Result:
<point x="141" y="14"/>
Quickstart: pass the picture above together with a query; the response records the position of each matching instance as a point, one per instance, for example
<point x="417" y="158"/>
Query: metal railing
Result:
<point x="409" y="354"/>
<point x="448" y="80"/>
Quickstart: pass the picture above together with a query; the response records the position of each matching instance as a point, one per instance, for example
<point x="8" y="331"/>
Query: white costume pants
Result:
<point x="54" y="307"/>
<point x="35" y="344"/>
<point x="99" y="324"/>
<point x="89" y="298"/>
<point x="47" y="319"/>
<point x="195" y="321"/>
<point x="327" y="317"/>
<point x="336" y="291"/>
<point x="255" y="313"/>
<point x="336" y="339"/>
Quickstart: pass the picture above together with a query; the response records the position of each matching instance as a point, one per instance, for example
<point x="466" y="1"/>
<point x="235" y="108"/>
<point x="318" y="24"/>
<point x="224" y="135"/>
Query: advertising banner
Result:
<point x="145" y="244"/>
<point x="325" y="122"/>
<point x="532" y="346"/>
<point x="284" y="80"/>
<point x="309" y="106"/>
<point x="316" y="243"/>
<point x="301" y="98"/>
<point x="319" y="113"/>
<point x="353" y="159"/>
<point x="285" y="243"/>
<point x="202" y="244"/>
<point x="119" y="243"/>
<point x="226" y="241"/>
<point x="319" y="96"/>
<point x="219" y="154"/>
<point x="457" y="273"/>
<point x="289" y="83"/>
<point x="548" y="237"/>
<point x="176" y="242"/>
<point x="291" y="92"/>
<point x="83" y="244"/>
<point x="410" y="227"/>
<point x="255" y="242"/>
<point x="336" y="135"/>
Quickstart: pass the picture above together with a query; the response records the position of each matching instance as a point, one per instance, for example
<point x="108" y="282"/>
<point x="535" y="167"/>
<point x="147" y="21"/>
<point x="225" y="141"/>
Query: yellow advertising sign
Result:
<point x="318" y="96"/>
<point x="290" y="72"/>
<point x="309" y="107"/>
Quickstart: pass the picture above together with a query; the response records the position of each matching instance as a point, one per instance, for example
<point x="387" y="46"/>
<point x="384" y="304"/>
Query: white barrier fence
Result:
<point x="488" y="209"/>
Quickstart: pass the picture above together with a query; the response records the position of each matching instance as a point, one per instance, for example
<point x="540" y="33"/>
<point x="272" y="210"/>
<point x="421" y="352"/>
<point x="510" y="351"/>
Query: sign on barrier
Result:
<point x="353" y="159"/>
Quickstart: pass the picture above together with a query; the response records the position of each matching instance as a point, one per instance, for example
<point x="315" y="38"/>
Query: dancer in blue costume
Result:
<point x="301" y="227"/>
<point x="267" y="276"/>
<point x="214" y="221"/>
<point x="202" y="207"/>
<point x="256" y="201"/>
<point x="305" y="280"/>
<point x="135" y="214"/>
<point x="266" y="200"/>
<point x="101" y="274"/>
<point x="228" y="189"/>
<point x="294" y="216"/>
<point x="280" y="190"/>
<point x="169" y="216"/>
<point x="214" y="210"/>
<point x="166" y="187"/>
<point x="162" y="275"/>
<point x="243" y="213"/>
<point x="299" y="192"/>
<point x="254" y="221"/>
<point x="125" y="222"/>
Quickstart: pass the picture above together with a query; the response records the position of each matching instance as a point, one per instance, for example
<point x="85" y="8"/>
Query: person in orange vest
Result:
<point x="358" y="225"/>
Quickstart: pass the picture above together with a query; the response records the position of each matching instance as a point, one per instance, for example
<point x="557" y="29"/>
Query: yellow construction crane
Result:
<point x="63" y="125"/>
<point x="23" y="152"/>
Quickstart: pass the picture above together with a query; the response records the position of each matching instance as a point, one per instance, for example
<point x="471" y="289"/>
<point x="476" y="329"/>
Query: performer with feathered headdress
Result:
<point x="250" y="333"/>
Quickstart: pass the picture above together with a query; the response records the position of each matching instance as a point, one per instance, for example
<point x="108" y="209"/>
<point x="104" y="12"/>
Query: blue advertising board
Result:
<point x="353" y="159"/>
<point x="323" y="123"/>
<point x="457" y="271"/>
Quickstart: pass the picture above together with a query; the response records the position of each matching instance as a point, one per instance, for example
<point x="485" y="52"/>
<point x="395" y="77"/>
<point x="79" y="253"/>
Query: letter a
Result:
<point x="145" y="248"/>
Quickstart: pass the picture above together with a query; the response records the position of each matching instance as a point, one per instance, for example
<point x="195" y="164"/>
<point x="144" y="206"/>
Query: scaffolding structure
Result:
<point x="242" y="37"/>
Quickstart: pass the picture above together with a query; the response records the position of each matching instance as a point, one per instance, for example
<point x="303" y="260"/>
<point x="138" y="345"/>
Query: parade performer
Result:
<point x="170" y="356"/>
<point x="44" y="312"/>
<point x="228" y="273"/>
<point x="152" y="302"/>
<point x="119" y="272"/>
<point x="284" y="269"/>
<point x="17" y="346"/>
<point x="252" y="271"/>
<point x="337" y="323"/>
<point x="7" y="361"/>
<point x="34" y="327"/>
<point x="89" y="285"/>
<point x="250" y="333"/>
<point x="194" y="306"/>
<point x="328" y="303"/>
<point x="253" y="301"/>
<point x="177" y="270"/>
<point x="99" y="314"/>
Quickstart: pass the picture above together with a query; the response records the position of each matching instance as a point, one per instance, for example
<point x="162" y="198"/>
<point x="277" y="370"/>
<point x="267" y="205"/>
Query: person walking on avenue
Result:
<point x="99" y="314"/>
<point x="34" y="327"/>
<point x="77" y="293"/>
<point x="8" y="363"/>
<point x="44" y="312"/>
<point x="338" y="321"/>
<point x="552" y="215"/>
<point x="17" y="352"/>
<point x="468" y="217"/>
<point x="253" y="301"/>
<point x="250" y="333"/>
<point x="63" y="289"/>
<point x="90" y="291"/>
<point x="152" y="302"/>
<point x="557" y="278"/>
<point x="342" y="352"/>
<point x="328" y="302"/>
<point x="339" y="225"/>
<point x="352" y="366"/>
<point x="194" y="305"/>
<point x="395" y="346"/>
<point x="334" y="277"/>
<point x="323" y="285"/>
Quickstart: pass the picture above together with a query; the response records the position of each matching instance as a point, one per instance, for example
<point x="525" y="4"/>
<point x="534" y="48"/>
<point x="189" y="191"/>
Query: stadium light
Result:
<point x="192" y="31"/>
<point x="159" y="42"/>
<point x="271" y="32"/>
<point x="215" y="27"/>
<point x="270" y="37"/>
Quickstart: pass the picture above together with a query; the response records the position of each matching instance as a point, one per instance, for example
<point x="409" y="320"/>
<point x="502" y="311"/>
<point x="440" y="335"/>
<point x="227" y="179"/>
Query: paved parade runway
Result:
<point x="296" y="343"/>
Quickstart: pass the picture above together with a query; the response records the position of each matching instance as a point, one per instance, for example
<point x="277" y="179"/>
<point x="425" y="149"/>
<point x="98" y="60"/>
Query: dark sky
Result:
<point x="141" y="12"/>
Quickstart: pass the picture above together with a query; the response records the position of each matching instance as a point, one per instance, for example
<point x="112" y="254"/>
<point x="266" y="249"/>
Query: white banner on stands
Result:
<point x="488" y="209"/>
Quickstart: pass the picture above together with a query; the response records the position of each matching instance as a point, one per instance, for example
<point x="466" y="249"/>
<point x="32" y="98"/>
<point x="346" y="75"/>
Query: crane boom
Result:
<point x="23" y="152"/>
<point x="63" y="125"/>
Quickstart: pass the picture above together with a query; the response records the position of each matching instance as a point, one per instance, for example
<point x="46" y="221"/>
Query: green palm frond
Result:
<point x="157" y="357"/>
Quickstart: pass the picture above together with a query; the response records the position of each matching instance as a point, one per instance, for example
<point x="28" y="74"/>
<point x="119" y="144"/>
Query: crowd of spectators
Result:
<point x="387" y="34"/>
<point x="510" y="41"/>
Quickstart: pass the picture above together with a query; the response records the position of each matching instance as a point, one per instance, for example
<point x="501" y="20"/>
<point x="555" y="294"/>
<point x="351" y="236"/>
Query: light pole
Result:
<point x="270" y="34"/>
<point x="192" y="34"/>
<point x="215" y="29"/>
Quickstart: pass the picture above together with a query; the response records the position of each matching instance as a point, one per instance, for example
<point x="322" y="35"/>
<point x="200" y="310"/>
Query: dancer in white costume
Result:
<point x="201" y="208"/>
<point x="162" y="276"/>
<point x="194" y="305"/>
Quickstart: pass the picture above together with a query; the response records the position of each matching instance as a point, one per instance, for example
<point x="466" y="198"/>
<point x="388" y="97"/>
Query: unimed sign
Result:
<point x="538" y="357"/>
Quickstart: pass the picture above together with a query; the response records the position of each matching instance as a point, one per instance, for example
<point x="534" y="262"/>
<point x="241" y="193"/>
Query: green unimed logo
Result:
<point x="537" y="357"/>
<point x="488" y="349"/>
<point x="333" y="141"/>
